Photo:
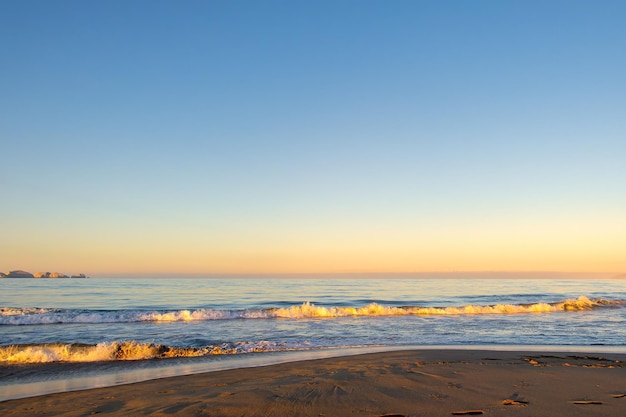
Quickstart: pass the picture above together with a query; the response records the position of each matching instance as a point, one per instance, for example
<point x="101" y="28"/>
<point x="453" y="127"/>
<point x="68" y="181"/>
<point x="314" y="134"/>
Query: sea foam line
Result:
<point x="38" y="316"/>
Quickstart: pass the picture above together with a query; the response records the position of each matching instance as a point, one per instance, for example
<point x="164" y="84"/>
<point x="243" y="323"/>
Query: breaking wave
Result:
<point x="39" y="316"/>
<point x="124" y="351"/>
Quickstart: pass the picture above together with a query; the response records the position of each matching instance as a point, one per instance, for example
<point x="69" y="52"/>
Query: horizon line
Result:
<point x="461" y="273"/>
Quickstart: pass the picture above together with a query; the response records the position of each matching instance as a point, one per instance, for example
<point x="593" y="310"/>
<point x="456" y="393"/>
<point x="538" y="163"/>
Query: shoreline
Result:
<point x="538" y="381"/>
<point x="31" y="380"/>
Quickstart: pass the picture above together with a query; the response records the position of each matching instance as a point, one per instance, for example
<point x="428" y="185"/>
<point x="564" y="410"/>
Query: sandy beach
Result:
<point x="402" y="383"/>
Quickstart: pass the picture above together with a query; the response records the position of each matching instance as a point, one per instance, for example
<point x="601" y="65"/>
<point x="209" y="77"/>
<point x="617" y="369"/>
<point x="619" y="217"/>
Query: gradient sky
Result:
<point x="326" y="136"/>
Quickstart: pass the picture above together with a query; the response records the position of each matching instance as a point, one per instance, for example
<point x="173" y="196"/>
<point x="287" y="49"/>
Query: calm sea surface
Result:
<point x="116" y="320"/>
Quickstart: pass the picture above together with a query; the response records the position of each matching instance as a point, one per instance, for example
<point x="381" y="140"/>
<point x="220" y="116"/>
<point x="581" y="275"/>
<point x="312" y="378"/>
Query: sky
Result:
<point x="246" y="137"/>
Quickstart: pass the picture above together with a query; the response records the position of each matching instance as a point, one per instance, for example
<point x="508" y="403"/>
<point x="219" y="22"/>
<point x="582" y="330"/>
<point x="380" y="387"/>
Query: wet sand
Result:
<point x="402" y="383"/>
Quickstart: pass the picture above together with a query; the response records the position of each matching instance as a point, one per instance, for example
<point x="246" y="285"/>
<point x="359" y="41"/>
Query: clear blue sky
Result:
<point x="322" y="136"/>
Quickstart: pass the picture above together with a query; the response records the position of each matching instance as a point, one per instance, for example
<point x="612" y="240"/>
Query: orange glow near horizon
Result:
<point x="435" y="258"/>
<point x="484" y="244"/>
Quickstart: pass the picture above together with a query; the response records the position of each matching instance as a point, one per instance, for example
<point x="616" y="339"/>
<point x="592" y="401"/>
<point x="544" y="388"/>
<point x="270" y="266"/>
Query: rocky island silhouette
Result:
<point x="24" y="274"/>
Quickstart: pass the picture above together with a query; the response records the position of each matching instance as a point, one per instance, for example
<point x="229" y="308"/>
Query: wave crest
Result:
<point x="124" y="351"/>
<point x="37" y="316"/>
<point x="310" y="310"/>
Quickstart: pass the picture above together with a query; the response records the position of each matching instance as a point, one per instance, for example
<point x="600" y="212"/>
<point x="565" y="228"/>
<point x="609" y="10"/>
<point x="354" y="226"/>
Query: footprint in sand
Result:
<point x="515" y="399"/>
<point x="509" y="401"/>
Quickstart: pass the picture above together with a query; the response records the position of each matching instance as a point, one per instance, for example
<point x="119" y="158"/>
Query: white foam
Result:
<point x="130" y="350"/>
<point x="21" y="311"/>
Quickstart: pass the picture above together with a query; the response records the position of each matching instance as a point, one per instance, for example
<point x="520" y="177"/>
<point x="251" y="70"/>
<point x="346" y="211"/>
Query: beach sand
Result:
<point x="402" y="383"/>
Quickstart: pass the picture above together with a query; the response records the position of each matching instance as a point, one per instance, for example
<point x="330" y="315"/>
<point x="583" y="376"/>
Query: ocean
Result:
<point x="182" y="325"/>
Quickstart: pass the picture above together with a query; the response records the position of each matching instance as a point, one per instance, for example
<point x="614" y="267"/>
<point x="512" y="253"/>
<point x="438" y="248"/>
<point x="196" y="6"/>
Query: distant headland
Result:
<point x="24" y="274"/>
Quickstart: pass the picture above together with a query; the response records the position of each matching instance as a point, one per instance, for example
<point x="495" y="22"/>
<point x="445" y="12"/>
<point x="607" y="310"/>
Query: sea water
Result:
<point x="121" y="321"/>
